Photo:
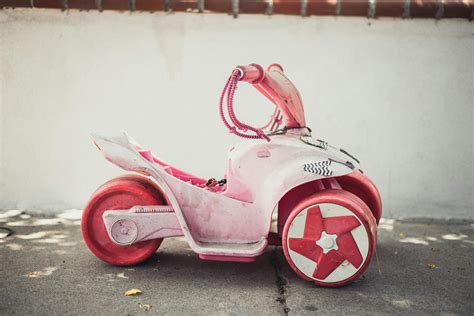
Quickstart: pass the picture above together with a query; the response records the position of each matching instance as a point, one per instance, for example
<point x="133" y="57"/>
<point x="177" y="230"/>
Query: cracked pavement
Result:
<point x="46" y="269"/>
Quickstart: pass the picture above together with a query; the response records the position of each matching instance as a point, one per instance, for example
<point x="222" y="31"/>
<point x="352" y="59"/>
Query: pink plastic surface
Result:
<point x="227" y="258"/>
<point x="231" y="222"/>
<point x="175" y="172"/>
<point x="281" y="91"/>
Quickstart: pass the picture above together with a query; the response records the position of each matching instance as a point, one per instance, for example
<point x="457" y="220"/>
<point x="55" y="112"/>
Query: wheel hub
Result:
<point x="124" y="231"/>
<point x="327" y="242"/>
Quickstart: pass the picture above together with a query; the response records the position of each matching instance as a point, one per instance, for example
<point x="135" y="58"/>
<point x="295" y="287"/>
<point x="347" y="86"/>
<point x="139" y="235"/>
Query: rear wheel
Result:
<point x="329" y="238"/>
<point x="120" y="193"/>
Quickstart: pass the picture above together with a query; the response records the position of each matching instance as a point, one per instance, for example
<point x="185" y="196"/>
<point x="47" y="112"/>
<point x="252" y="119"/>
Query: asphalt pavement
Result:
<point x="421" y="268"/>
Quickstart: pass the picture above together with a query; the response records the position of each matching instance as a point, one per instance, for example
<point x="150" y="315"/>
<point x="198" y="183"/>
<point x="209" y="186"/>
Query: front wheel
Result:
<point x="120" y="193"/>
<point x="330" y="238"/>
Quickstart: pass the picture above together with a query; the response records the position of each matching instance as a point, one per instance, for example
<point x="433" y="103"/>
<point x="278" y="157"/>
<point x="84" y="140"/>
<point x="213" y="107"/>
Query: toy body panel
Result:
<point x="284" y="163"/>
<point x="230" y="217"/>
<point x="120" y="149"/>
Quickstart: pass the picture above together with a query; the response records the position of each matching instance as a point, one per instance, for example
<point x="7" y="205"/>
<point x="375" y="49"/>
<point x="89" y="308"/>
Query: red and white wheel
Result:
<point x="330" y="237"/>
<point x="120" y="193"/>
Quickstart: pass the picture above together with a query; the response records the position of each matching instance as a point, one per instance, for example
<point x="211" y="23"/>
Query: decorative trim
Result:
<point x="372" y="9"/>
<point x="200" y="6"/>
<point x="428" y="9"/>
<point x="270" y="8"/>
<point x="440" y="12"/>
<point x="235" y="8"/>
<point x="304" y="8"/>
<point x="406" y="9"/>
<point x="338" y="7"/>
<point x="319" y="167"/>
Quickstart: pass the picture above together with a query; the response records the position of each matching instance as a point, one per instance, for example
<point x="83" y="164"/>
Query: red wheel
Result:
<point x="119" y="194"/>
<point x="360" y="185"/>
<point x="330" y="237"/>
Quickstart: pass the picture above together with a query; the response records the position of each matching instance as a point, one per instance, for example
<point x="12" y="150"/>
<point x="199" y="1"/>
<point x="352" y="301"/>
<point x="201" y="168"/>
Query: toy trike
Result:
<point x="327" y="210"/>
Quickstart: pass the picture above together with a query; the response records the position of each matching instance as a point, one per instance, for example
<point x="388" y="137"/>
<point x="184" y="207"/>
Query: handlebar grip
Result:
<point x="252" y="73"/>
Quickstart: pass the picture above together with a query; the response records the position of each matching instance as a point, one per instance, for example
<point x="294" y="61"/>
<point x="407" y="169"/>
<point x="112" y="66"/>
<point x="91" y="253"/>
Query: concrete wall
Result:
<point x="396" y="93"/>
<point x="1" y="117"/>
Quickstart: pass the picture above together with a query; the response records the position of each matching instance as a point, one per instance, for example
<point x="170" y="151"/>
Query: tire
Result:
<point x="120" y="193"/>
<point x="330" y="238"/>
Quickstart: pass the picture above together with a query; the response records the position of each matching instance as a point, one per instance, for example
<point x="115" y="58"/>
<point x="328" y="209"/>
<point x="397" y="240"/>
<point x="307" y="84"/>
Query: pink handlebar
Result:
<point x="274" y="85"/>
<point x="252" y="73"/>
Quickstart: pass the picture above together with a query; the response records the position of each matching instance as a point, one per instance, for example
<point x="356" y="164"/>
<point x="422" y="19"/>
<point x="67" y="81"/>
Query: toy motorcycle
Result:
<point x="327" y="209"/>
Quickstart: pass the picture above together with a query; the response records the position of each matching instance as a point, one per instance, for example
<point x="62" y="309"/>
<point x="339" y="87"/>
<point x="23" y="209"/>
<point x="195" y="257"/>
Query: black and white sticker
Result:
<point x="320" y="167"/>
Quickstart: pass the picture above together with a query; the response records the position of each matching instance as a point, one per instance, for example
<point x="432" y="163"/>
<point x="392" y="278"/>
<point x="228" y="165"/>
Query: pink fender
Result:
<point x="283" y="164"/>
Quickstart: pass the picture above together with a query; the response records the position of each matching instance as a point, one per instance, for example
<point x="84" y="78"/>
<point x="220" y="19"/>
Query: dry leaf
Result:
<point x="41" y="273"/>
<point x="145" y="307"/>
<point x="432" y="266"/>
<point x="132" y="292"/>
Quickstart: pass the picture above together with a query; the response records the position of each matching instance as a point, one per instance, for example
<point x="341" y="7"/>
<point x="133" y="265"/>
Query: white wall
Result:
<point x="396" y="93"/>
<point x="1" y="116"/>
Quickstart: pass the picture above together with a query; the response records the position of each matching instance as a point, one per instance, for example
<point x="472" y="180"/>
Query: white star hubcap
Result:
<point x="327" y="242"/>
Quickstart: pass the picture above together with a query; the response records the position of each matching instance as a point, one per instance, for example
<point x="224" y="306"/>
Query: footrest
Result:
<point x="227" y="258"/>
<point x="232" y="251"/>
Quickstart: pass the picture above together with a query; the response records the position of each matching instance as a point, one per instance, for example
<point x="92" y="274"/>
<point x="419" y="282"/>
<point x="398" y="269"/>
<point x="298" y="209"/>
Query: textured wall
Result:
<point x="2" y="82"/>
<point x="367" y="8"/>
<point x="395" y="93"/>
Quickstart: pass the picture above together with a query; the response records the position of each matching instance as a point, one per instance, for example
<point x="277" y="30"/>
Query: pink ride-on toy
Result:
<point x="327" y="209"/>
